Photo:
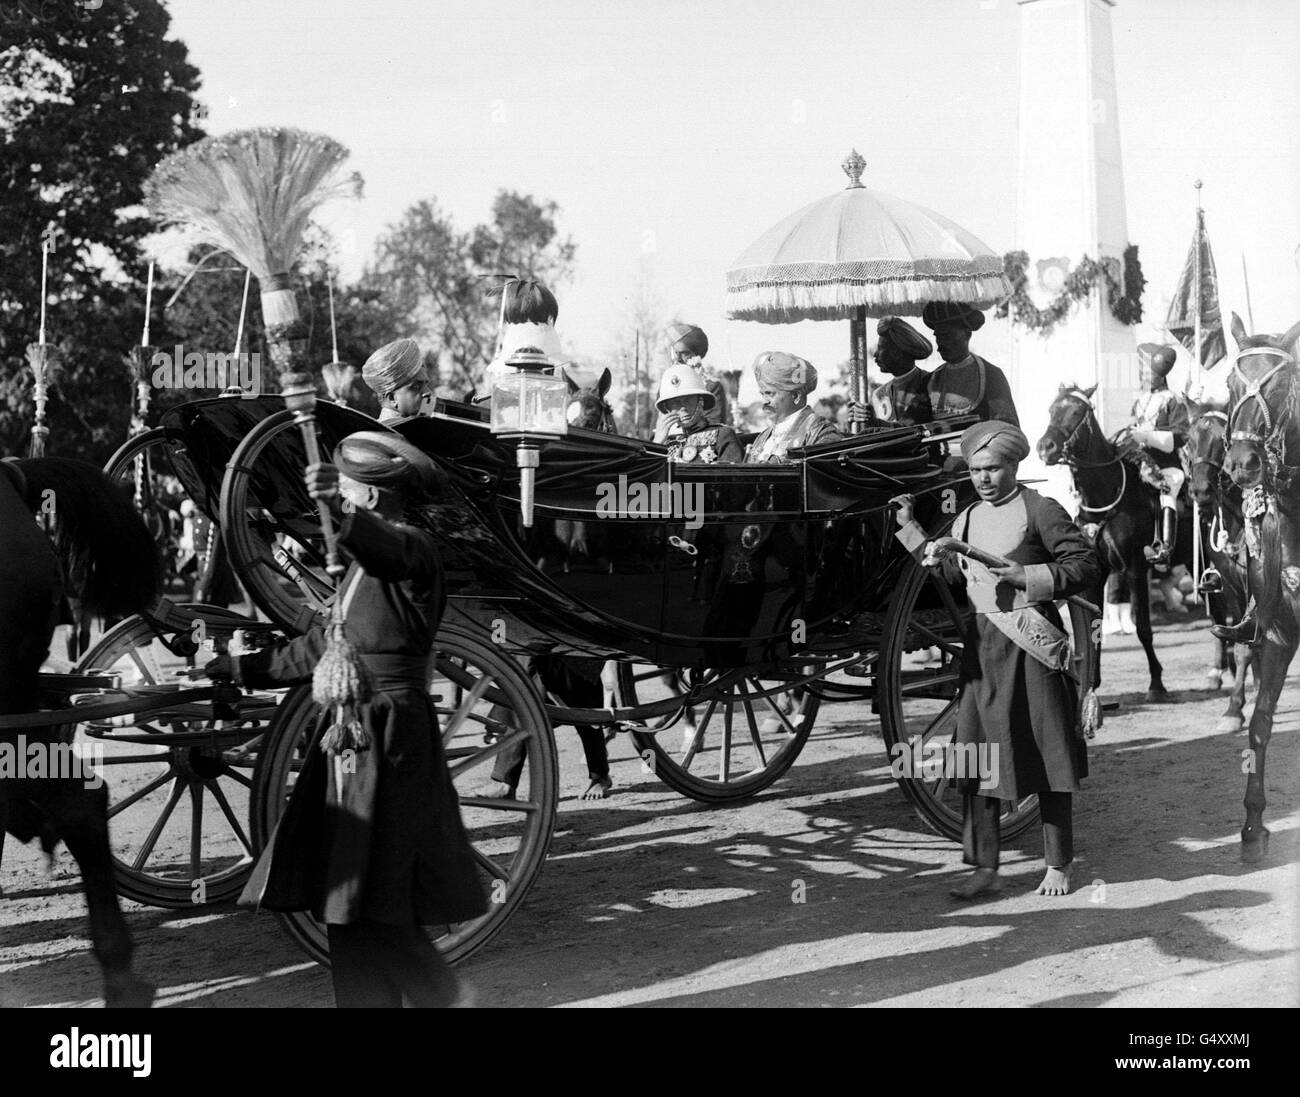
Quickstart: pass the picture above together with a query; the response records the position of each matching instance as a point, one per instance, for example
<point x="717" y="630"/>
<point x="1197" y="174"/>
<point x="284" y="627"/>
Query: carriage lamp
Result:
<point x="529" y="406"/>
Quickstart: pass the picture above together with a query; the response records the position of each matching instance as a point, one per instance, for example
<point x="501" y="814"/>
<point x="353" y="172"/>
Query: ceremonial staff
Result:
<point x="42" y="357"/>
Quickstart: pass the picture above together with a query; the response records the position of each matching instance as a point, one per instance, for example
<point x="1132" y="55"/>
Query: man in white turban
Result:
<point x="396" y="375"/>
<point x="784" y="382"/>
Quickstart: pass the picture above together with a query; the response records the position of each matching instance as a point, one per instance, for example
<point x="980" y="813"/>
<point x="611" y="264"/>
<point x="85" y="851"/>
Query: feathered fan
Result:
<point x="252" y="193"/>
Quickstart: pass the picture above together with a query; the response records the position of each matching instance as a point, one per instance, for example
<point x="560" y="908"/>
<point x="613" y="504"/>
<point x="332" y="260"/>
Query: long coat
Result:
<point x="809" y="429"/>
<point x="1009" y="698"/>
<point x="392" y="849"/>
<point x="973" y="386"/>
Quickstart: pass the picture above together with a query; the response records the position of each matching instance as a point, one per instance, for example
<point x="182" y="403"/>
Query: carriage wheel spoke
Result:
<point x="937" y="639"/>
<point x="151" y="839"/>
<point x="140" y="794"/>
<point x="724" y="760"/>
<point x="528" y="807"/>
<point x="470" y="700"/>
<point x="490" y="865"/>
<point x="196" y="830"/>
<point x="926" y="681"/>
<point x="474" y="756"/>
<point x="697" y="740"/>
<point x="789" y="727"/>
<point x="150" y="673"/>
<point x="944" y="713"/>
<point x="753" y="731"/>
<point x="133" y="759"/>
<point x="241" y="778"/>
<point x="224" y="804"/>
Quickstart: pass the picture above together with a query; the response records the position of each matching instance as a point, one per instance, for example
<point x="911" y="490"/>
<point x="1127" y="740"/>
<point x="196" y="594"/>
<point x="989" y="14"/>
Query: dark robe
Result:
<point x="1008" y="697"/>
<point x="972" y="386"/>
<point x="904" y="400"/>
<point x="393" y="849"/>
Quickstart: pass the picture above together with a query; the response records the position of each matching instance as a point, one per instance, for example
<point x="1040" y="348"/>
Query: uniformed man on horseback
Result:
<point x="1159" y="427"/>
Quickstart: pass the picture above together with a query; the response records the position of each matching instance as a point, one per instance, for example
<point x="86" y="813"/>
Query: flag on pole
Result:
<point x="1182" y="321"/>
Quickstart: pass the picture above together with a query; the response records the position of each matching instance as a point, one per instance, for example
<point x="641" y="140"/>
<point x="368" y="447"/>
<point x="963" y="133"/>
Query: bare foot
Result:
<point x="496" y="790"/>
<point x="598" y="789"/>
<point x="983" y="881"/>
<point x="1056" y="882"/>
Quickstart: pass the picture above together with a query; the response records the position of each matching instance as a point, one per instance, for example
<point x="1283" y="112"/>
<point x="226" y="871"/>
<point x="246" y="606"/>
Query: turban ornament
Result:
<point x="785" y="372"/>
<point x="393" y="365"/>
<point x="904" y="338"/>
<point x="1007" y="441"/>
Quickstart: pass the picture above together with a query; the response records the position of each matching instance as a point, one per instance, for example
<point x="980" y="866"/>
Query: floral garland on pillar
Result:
<point x="1124" y="296"/>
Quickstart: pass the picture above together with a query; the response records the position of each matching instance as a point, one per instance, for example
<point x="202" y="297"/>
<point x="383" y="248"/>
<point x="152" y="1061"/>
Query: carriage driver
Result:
<point x="396" y="375"/>
<point x="1160" y="425"/>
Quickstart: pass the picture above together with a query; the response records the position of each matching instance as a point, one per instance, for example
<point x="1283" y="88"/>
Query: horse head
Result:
<point x="1069" y="417"/>
<point x="588" y="408"/>
<point x="1265" y="409"/>
<point x="1206" y="448"/>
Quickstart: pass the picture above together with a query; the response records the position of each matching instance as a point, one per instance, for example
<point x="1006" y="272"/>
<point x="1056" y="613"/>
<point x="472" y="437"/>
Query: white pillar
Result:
<point x="1070" y="203"/>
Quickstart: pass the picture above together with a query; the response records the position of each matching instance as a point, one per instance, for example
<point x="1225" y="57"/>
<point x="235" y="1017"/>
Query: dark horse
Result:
<point x="1263" y="460"/>
<point x="1218" y="502"/>
<point x="1115" y="500"/>
<point x="103" y="554"/>
<point x="589" y="410"/>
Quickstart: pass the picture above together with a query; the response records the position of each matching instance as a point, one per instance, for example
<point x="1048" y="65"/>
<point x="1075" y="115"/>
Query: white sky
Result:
<point x="673" y="133"/>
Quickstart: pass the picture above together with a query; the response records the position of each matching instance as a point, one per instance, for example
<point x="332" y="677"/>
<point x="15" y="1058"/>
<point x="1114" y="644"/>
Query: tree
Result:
<point x="640" y="354"/>
<point x="91" y="98"/>
<point x="436" y="276"/>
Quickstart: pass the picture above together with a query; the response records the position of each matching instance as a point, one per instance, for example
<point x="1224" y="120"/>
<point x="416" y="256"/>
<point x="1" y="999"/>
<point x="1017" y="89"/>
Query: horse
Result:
<point x="1218" y="502"/>
<point x="1263" y="460"/>
<point x="101" y="553"/>
<point x="588" y="410"/>
<point x="1115" y="500"/>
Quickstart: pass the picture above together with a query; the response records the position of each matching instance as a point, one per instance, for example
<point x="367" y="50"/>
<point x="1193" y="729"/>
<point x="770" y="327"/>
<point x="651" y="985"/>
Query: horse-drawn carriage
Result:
<point x="731" y="601"/>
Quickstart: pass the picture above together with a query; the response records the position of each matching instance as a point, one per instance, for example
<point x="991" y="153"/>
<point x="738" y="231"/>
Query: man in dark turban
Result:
<point x="1018" y="706"/>
<point x="687" y="345"/>
<point x="965" y="383"/>
<point x="905" y="398"/>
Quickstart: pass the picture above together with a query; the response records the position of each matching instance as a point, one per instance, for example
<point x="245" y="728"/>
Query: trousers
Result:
<point x="378" y="966"/>
<point x="981" y="838"/>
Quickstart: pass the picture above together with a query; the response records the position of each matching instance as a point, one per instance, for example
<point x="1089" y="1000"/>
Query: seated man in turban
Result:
<point x="784" y="382"/>
<point x="1017" y="702"/>
<point x="965" y="383"/>
<point x="688" y="345"/>
<point x="396" y="375"/>
<point x="905" y="397"/>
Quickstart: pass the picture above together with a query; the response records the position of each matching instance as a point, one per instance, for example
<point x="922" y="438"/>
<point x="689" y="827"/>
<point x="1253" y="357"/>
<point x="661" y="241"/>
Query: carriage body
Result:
<point x="684" y="565"/>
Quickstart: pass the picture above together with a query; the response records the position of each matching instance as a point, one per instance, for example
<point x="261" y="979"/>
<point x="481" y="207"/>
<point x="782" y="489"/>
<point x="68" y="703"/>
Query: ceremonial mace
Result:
<point x="42" y="357"/>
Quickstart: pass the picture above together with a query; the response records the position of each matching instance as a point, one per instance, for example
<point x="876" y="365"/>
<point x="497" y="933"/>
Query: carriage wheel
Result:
<point x="279" y="558"/>
<point x="485" y="704"/>
<point x="728" y="748"/>
<point x="178" y="784"/>
<point x="140" y="465"/>
<point x="918" y="693"/>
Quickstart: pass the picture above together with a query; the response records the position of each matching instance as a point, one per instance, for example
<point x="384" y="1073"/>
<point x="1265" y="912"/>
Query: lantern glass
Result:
<point x="530" y="403"/>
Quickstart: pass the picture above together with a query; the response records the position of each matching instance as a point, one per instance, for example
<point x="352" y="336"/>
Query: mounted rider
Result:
<point x="965" y="384"/>
<point x="397" y="376"/>
<point x="1159" y="427"/>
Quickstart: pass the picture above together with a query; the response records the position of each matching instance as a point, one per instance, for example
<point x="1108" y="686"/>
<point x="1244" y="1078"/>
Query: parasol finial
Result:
<point x="854" y="165"/>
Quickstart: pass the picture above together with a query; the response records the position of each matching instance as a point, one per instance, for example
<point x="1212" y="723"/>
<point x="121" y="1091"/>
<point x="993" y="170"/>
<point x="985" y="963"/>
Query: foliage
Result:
<point x="90" y="100"/>
<point x="1125" y="300"/>
<point x="436" y="275"/>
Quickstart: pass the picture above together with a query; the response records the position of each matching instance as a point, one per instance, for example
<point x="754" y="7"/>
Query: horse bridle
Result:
<point x="1272" y="439"/>
<point x="1072" y="462"/>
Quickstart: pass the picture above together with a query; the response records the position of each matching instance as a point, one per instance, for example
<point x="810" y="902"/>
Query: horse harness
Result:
<point x="1273" y="442"/>
<point x="1068" y="457"/>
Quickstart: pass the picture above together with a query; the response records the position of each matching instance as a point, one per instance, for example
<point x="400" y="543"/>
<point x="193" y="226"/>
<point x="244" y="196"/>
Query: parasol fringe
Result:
<point x="789" y="303"/>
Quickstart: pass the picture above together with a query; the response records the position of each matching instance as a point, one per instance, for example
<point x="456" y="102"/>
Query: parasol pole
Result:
<point x="334" y="331"/>
<point x="243" y="311"/>
<point x="42" y="358"/>
<point x="858" y="360"/>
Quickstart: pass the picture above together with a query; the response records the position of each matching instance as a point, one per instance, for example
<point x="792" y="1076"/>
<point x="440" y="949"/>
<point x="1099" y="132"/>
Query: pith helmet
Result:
<point x="682" y="380"/>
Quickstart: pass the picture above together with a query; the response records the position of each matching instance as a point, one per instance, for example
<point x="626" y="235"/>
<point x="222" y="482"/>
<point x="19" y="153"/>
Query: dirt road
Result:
<point x="824" y="891"/>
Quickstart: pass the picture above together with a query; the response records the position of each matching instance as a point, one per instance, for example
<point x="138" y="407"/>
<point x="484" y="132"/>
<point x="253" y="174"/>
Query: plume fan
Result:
<point x="252" y="193"/>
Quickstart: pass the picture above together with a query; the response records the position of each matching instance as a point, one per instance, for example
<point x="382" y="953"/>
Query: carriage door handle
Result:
<point x="685" y="546"/>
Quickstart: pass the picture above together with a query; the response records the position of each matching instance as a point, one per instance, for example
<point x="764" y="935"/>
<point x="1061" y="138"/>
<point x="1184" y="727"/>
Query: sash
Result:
<point x="1024" y="624"/>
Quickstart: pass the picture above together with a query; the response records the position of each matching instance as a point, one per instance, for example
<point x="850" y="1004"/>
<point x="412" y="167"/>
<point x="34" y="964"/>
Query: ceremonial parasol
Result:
<point x="861" y="253"/>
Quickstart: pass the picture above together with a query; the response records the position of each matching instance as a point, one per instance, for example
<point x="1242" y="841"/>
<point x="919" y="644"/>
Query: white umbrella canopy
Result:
<point x="861" y="253"/>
